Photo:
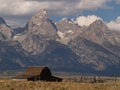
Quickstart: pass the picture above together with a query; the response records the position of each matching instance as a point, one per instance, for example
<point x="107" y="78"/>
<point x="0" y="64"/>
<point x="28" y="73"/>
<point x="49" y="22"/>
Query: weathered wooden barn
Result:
<point x="39" y="73"/>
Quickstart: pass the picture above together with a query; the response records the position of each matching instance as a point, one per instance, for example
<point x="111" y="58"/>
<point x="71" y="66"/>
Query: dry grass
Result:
<point x="25" y="85"/>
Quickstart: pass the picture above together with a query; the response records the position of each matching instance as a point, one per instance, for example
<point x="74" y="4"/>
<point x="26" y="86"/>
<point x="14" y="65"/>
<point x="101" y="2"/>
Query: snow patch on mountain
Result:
<point x="61" y="34"/>
<point x="70" y="31"/>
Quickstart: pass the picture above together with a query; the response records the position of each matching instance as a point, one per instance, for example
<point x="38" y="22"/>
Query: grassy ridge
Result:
<point x="25" y="85"/>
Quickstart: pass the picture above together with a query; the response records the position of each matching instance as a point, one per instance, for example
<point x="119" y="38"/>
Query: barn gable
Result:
<point x="36" y="71"/>
<point x="39" y="73"/>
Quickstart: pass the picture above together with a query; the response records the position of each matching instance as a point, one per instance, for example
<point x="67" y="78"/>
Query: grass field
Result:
<point x="39" y="85"/>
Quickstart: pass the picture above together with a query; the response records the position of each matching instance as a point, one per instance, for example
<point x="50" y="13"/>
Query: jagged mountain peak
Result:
<point x="66" y="24"/>
<point x="66" y="20"/>
<point x="2" y="20"/>
<point x="43" y="11"/>
<point x="40" y="19"/>
<point x="98" y="28"/>
<point x="99" y="33"/>
<point x="40" y="15"/>
<point x="67" y="30"/>
<point x="6" y="33"/>
<point x="40" y="30"/>
<point x="99" y="24"/>
<point x="40" y="23"/>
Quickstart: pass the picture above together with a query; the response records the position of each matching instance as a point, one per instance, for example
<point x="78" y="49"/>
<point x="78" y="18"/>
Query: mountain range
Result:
<point x="63" y="46"/>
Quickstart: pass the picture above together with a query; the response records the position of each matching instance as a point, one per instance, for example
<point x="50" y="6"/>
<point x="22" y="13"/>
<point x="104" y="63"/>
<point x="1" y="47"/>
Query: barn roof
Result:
<point x="43" y="72"/>
<point x="35" y="71"/>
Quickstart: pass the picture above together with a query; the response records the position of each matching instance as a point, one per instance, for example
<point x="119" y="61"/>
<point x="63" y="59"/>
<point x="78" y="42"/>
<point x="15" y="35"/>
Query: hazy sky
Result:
<point x="18" y="12"/>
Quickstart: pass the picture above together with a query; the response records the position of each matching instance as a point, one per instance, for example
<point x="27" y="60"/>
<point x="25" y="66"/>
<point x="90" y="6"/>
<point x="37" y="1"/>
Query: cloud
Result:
<point x="94" y="4"/>
<point x="87" y="20"/>
<point x="114" y="25"/>
<point x="21" y="7"/>
<point x="65" y="7"/>
<point x="55" y="7"/>
<point x="16" y="22"/>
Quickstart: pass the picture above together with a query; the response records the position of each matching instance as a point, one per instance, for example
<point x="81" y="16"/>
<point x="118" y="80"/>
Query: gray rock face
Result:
<point x="96" y="47"/>
<point x="58" y="57"/>
<point x="99" y="33"/>
<point x="40" y="24"/>
<point x="12" y="56"/>
<point x="93" y="54"/>
<point x="67" y="30"/>
<point x="6" y="33"/>
<point x="40" y="30"/>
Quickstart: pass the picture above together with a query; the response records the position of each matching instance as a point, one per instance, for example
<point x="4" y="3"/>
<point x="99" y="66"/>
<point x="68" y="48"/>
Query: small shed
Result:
<point x="40" y="73"/>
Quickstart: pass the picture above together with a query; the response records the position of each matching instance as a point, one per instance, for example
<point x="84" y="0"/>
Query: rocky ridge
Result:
<point x="6" y="33"/>
<point x="67" y="30"/>
<point x="63" y="46"/>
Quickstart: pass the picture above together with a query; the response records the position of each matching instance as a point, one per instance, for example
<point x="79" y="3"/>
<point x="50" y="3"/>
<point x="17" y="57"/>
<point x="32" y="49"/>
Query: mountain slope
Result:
<point x="6" y="33"/>
<point x="93" y="54"/>
<point x="12" y="57"/>
<point x="95" y="48"/>
<point x="99" y="33"/>
<point x="58" y="57"/>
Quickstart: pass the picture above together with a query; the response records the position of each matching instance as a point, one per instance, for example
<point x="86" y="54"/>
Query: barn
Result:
<point x="39" y="73"/>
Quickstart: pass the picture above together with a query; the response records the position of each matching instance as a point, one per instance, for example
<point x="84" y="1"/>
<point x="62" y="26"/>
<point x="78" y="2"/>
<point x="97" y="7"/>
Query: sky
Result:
<point x="84" y="12"/>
